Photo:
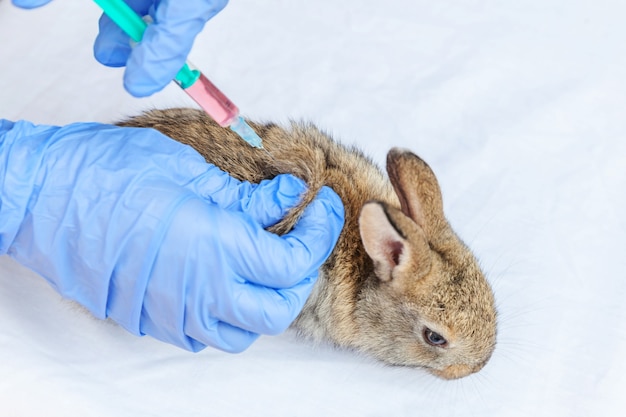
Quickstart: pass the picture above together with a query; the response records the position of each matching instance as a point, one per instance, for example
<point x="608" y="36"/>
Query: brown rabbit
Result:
<point x="400" y="285"/>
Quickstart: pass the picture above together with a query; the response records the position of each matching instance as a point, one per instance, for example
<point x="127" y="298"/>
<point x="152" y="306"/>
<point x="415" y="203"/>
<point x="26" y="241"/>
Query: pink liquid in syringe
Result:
<point x="213" y="101"/>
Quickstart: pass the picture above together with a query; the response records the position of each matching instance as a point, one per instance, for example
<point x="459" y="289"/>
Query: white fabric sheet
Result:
<point x="519" y="107"/>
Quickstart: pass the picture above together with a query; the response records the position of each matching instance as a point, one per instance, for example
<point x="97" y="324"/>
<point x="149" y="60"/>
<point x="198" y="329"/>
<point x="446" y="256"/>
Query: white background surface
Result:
<point x="519" y="107"/>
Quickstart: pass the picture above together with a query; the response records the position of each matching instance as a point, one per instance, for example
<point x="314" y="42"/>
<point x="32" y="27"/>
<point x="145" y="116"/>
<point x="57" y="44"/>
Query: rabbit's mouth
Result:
<point x="455" y="371"/>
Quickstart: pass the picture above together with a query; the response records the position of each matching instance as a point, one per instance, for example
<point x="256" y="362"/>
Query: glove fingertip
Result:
<point x="112" y="46"/>
<point x="30" y="4"/>
<point x="325" y="213"/>
<point x="290" y="185"/>
<point x="272" y="199"/>
<point x="141" y="83"/>
<point x="332" y="202"/>
<point x="218" y="6"/>
<point x="234" y="339"/>
<point x="110" y="57"/>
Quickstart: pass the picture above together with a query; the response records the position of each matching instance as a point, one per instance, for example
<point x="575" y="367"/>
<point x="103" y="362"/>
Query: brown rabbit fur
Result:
<point x="400" y="285"/>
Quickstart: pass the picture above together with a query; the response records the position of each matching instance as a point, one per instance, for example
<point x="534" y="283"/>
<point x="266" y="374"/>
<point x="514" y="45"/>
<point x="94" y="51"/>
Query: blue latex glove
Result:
<point x="139" y="228"/>
<point x="165" y="45"/>
<point x="154" y="62"/>
<point x="30" y="4"/>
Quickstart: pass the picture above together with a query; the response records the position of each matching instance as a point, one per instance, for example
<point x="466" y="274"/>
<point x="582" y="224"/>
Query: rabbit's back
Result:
<point x="301" y="150"/>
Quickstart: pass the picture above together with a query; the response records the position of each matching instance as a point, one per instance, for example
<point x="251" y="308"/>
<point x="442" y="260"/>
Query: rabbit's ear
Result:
<point x="393" y="241"/>
<point x="418" y="190"/>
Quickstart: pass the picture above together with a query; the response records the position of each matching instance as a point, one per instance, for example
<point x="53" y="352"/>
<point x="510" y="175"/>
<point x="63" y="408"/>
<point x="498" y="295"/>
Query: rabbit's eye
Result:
<point x="434" y="339"/>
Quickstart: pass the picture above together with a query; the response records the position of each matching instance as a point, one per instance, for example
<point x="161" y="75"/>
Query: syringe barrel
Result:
<point x="212" y="101"/>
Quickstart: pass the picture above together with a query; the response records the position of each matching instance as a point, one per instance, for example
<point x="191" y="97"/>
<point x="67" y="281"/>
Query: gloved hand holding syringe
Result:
<point x="192" y="81"/>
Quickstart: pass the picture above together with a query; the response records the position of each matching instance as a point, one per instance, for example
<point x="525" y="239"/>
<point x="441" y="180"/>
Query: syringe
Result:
<point x="192" y="81"/>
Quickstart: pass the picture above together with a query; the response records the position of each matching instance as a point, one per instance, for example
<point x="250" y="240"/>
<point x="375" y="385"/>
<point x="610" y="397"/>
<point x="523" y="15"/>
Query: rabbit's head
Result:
<point x="430" y="305"/>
